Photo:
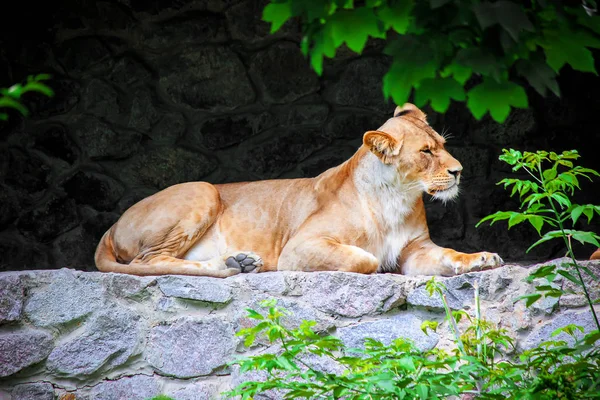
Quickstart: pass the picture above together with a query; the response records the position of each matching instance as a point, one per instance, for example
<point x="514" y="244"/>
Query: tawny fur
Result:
<point x="595" y="255"/>
<point x="365" y="215"/>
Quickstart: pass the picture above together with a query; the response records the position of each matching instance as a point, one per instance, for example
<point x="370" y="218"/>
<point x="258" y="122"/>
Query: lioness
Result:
<point x="365" y="215"/>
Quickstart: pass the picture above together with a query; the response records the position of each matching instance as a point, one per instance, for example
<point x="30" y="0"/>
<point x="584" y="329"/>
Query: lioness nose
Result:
<point x="455" y="171"/>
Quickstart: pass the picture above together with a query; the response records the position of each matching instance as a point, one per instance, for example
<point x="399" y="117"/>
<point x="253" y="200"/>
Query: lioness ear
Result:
<point x="409" y="108"/>
<point x="383" y="145"/>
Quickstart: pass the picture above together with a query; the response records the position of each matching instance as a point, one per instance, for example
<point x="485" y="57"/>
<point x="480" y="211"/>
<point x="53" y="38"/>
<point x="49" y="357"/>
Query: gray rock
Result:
<point x="100" y="99"/>
<point x="196" y="391"/>
<point x="129" y="286"/>
<point x="351" y="126"/>
<point x="167" y="166"/>
<point x="188" y="348"/>
<point x="33" y="391"/>
<point x="109" y="340"/>
<point x="268" y="159"/>
<point x="21" y="349"/>
<point x="247" y="26"/>
<point x="69" y="297"/>
<point x="170" y="128"/>
<point x="203" y="28"/>
<point x="360" y="85"/>
<point x="143" y="115"/>
<point x="306" y="114"/>
<point x="518" y="125"/>
<point x="137" y="387"/>
<point x="270" y="282"/>
<point x="11" y="297"/>
<point x="99" y="191"/>
<point x="282" y="73"/>
<point x="206" y="78"/>
<point x="222" y="132"/>
<point x="101" y="141"/>
<point x="56" y="215"/>
<point x="212" y="290"/>
<point x="459" y="294"/>
<point x="544" y="330"/>
<point x="386" y="330"/>
<point x="353" y="295"/>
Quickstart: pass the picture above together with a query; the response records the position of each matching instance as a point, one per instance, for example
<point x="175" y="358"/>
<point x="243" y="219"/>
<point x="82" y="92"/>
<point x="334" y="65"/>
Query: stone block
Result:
<point x="211" y="290"/>
<point x="353" y="295"/>
<point x="33" y="391"/>
<point x="108" y="340"/>
<point x="68" y="297"/>
<point x="137" y="387"/>
<point x="187" y="348"/>
<point x="282" y="74"/>
<point x="11" y="297"/>
<point x="23" y="348"/>
<point x="206" y="78"/>
<point x="405" y="326"/>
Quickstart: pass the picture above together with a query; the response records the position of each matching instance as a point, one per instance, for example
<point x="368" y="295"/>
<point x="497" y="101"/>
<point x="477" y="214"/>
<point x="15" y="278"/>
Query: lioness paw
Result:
<point x="244" y="261"/>
<point x="482" y="261"/>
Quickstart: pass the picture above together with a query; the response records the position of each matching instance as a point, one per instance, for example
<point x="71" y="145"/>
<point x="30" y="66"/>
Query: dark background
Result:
<point x="152" y="93"/>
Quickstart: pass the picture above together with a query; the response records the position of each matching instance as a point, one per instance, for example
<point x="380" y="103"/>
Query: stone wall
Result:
<point x="153" y="93"/>
<point x="113" y="337"/>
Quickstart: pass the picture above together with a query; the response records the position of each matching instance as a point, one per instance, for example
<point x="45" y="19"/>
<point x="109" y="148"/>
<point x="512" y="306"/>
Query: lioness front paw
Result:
<point x="482" y="261"/>
<point x="244" y="261"/>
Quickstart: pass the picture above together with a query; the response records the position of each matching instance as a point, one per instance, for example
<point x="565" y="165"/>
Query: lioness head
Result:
<point x="408" y="143"/>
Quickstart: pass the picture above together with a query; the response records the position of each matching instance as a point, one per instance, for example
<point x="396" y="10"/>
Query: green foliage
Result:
<point x="12" y="97"/>
<point x="438" y="45"/>
<point x="484" y="363"/>
<point x="162" y="397"/>
<point x="546" y="201"/>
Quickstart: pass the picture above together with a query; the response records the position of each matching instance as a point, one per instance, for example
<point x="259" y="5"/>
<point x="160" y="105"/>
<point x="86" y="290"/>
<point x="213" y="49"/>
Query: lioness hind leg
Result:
<point x="326" y="255"/>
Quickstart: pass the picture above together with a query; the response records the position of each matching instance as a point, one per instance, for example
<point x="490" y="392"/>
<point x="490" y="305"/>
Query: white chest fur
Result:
<point x="389" y="199"/>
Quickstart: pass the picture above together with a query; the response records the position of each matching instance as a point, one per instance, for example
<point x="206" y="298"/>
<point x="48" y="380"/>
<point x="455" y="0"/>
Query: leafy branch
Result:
<point x="12" y="97"/>
<point x="438" y="46"/>
<point x="545" y="200"/>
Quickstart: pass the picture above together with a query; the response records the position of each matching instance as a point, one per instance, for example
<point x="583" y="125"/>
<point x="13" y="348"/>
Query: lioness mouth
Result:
<point x="434" y="191"/>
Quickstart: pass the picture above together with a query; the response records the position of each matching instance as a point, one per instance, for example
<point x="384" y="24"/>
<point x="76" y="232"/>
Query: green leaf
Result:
<point x="547" y="236"/>
<point x="586" y="237"/>
<point x="515" y="219"/>
<point x="569" y="276"/>
<point x="422" y="390"/>
<point x="411" y="65"/>
<point x="8" y="102"/>
<point x="277" y="14"/>
<point x="460" y="73"/>
<point x="576" y="213"/>
<point x="439" y="91"/>
<point x="253" y="314"/>
<point x="497" y="98"/>
<point x="354" y="27"/>
<point x="537" y="222"/>
<point x="563" y="46"/>
<point x="509" y="15"/>
<point x="529" y="298"/>
<point x="396" y="16"/>
<point x="550" y="174"/>
<point x="407" y="363"/>
<point x="539" y="75"/>
<point x="541" y="272"/>
<point x="433" y="325"/>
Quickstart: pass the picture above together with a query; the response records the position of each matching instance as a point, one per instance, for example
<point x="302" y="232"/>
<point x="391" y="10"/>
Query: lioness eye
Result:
<point x="426" y="151"/>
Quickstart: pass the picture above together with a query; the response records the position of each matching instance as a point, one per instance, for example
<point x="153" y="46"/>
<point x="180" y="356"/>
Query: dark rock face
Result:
<point x="154" y="93"/>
